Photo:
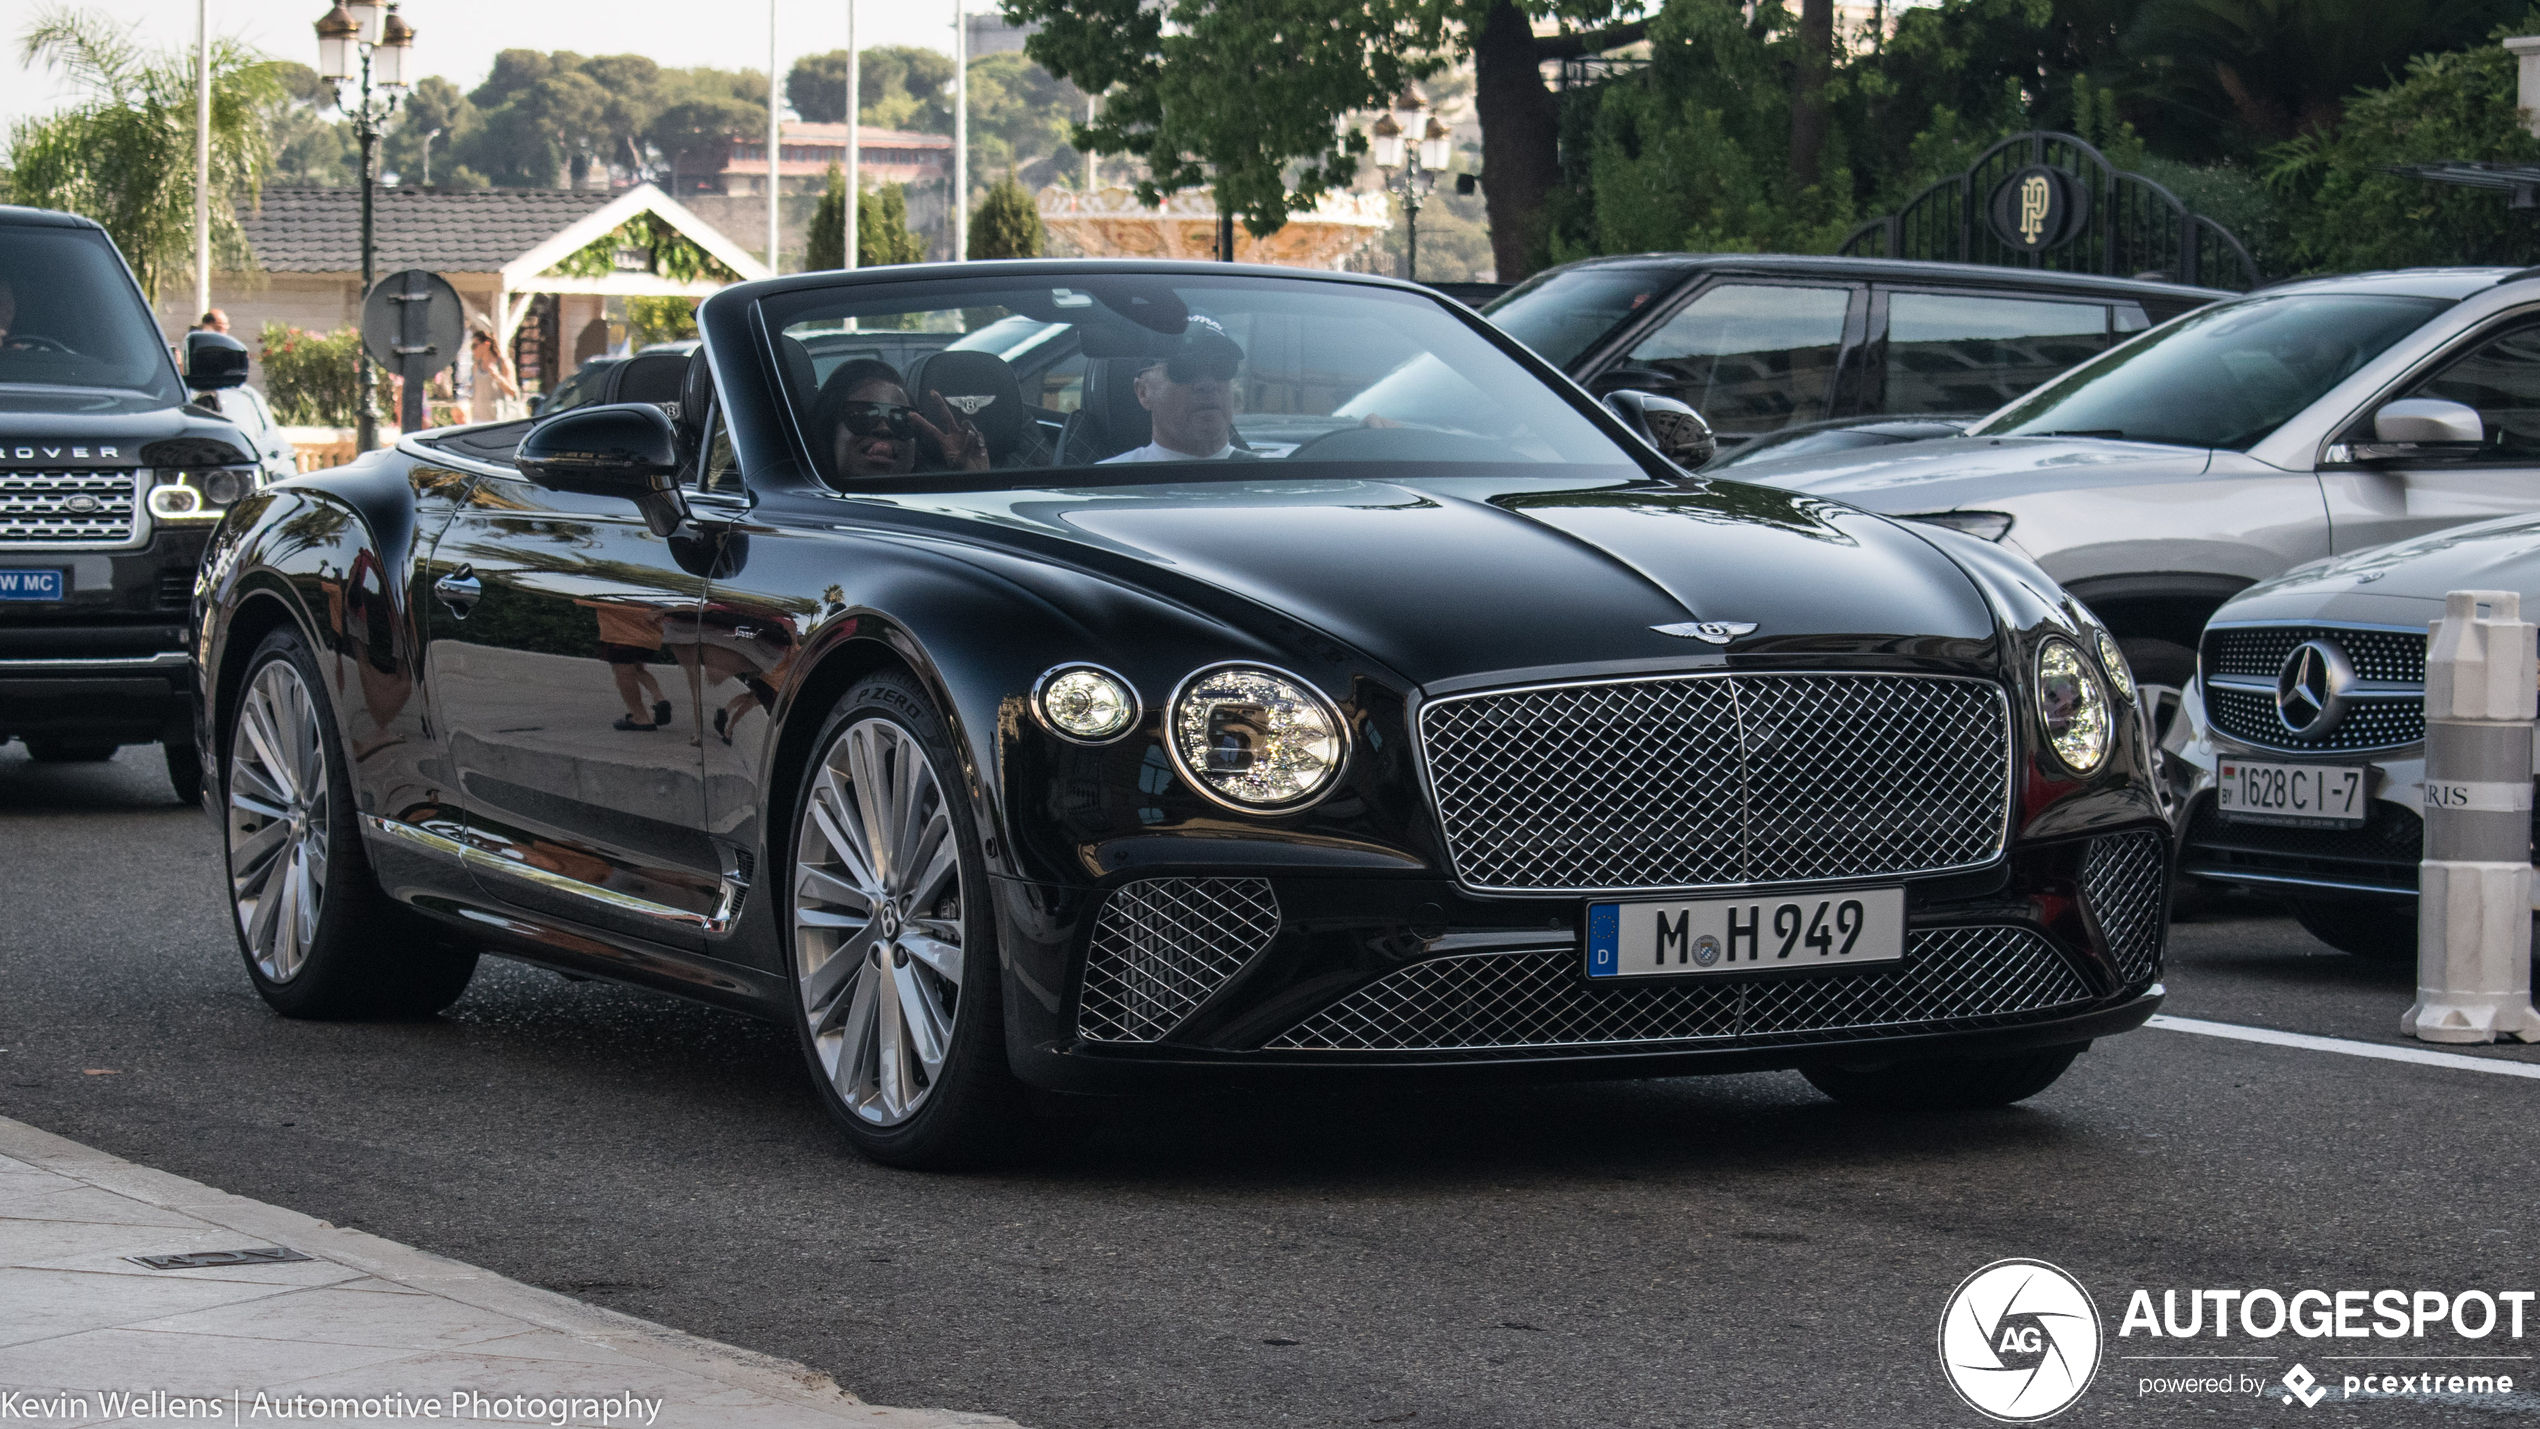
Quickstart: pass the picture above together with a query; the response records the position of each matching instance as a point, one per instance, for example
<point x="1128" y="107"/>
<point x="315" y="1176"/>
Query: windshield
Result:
<point x="1562" y="313"/>
<point x="1136" y="377"/>
<point x="2225" y="376"/>
<point x="69" y="316"/>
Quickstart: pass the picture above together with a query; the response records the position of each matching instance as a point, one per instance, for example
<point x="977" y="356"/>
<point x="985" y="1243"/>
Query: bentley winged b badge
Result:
<point x="1718" y="632"/>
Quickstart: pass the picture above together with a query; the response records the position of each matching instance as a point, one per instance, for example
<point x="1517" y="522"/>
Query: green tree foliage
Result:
<point x="882" y="234"/>
<point x="309" y="142"/>
<point x="540" y="120"/>
<point x="694" y="136"/>
<point x="2223" y="75"/>
<point x="825" y="244"/>
<point x="124" y="154"/>
<point x="434" y="104"/>
<point x="2345" y="211"/>
<point x="1006" y="224"/>
<point x="1021" y="114"/>
<point x="1021" y="117"/>
<point x="903" y="88"/>
<point x="663" y="319"/>
<point x="311" y="379"/>
<point x="668" y="253"/>
<point x="1236" y="94"/>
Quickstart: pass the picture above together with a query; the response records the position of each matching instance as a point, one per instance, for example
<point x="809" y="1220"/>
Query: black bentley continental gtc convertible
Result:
<point x="1299" y="677"/>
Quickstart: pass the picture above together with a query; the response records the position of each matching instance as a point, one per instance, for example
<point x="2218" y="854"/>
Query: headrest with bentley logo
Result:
<point x="980" y="386"/>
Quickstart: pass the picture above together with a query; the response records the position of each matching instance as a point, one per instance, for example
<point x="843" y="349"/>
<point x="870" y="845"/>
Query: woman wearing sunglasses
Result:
<point x="875" y="430"/>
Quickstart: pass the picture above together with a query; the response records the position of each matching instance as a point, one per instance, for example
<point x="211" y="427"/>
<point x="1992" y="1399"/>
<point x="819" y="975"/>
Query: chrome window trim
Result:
<point x="466" y="852"/>
<point x="1417" y="712"/>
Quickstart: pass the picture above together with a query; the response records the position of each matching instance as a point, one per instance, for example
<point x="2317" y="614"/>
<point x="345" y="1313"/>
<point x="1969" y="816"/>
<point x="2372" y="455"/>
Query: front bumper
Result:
<point x="130" y="699"/>
<point x="1234" y="976"/>
<point x="109" y="660"/>
<point x="2376" y="863"/>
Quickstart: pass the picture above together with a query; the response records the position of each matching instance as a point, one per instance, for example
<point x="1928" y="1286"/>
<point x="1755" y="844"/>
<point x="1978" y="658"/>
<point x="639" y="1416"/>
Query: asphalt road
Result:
<point x="1703" y="1251"/>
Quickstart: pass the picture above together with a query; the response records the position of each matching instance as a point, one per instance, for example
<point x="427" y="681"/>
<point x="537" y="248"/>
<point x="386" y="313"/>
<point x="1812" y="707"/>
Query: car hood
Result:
<point x="1441" y="579"/>
<point x="2403" y="583"/>
<point x="51" y="429"/>
<point x="1956" y="473"/>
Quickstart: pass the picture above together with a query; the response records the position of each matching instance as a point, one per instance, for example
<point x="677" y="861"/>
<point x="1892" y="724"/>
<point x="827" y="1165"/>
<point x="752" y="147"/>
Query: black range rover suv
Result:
<point x="110" y="482"/>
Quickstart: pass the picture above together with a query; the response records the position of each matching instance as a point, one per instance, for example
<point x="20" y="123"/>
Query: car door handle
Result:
<point x="459" y="590"/>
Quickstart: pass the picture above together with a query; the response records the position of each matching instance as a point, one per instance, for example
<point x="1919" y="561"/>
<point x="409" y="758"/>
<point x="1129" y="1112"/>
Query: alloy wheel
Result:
<point x="278" y="815"/>
<point x="878" y="920"/>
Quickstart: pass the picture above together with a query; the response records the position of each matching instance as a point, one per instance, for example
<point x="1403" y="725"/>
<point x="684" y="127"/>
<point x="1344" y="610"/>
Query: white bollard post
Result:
<point x="2474" y="887"/>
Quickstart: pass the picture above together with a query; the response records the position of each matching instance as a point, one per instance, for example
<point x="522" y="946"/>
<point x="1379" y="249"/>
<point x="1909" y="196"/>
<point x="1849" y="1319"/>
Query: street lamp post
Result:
<point x="1412" y="149"/>
<point x="363" y="50"/>
<point x="428" y="136"/>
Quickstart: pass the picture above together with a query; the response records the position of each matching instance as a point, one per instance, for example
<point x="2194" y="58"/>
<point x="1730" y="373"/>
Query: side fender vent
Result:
<point x="1162" y="945"/>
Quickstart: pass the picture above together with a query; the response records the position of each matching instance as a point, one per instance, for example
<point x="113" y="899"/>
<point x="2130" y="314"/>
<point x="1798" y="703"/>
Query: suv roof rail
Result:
<point x="2517" y="276"/>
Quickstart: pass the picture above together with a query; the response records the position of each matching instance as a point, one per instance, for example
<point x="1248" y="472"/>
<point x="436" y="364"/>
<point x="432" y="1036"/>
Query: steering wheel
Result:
<point x="37" y="342"/>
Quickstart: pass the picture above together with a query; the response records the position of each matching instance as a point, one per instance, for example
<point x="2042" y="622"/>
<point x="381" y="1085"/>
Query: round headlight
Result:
<point x="1087" y="704"/>
<point x="2072" y="707"/>
<point x="1255" y="738"/>
<point x="176" y="501"/>
<point x="2112" y="660"/>
<point x="224" y="487"/>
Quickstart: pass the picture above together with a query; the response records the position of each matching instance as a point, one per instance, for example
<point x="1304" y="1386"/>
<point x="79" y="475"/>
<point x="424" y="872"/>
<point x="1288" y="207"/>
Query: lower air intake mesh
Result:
<point x="2123" y="887"/>
<point x="1953" y="978"/>
<point x="1162" y="945"/>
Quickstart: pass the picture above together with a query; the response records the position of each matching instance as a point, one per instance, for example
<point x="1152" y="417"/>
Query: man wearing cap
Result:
<point x="1190" y="398"/>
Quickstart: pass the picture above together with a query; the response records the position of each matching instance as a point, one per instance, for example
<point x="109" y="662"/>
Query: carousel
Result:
<point x="1111" y="223"/>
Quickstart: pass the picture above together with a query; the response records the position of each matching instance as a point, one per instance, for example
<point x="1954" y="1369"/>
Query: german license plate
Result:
<point x="30" y="585"/>
<point x="2318" y="795"/>
<point x="1736" y="935"/>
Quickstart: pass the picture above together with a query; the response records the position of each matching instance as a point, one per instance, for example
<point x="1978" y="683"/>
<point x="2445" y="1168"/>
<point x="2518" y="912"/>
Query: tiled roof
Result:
<point x="319" y="230"/>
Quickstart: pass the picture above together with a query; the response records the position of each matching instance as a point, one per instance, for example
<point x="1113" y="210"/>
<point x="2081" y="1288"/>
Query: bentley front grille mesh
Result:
<point x="1952" y="979"/>
<point x="1698" y="781"/>
<point x="1162" y="945"/>
<point x="2249" y="716"/>
<point x="2123" y="886"/>
<point x="67" y="508"/>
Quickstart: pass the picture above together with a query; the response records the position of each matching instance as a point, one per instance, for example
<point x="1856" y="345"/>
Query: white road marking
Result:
<point x="2308" y="1043"/>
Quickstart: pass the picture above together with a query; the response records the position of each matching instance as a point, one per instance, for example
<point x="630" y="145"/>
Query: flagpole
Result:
<point x="855" y="136"/>
<point x="775" y="140"/>
<point x="202" y="161"/>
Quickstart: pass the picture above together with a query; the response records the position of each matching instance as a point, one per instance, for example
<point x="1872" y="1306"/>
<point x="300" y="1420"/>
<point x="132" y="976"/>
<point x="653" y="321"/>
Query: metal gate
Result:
<point x="2111" y="222"/>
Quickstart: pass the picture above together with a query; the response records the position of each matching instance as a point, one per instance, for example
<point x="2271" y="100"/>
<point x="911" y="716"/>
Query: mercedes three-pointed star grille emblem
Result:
<point x="2310" y="689"/>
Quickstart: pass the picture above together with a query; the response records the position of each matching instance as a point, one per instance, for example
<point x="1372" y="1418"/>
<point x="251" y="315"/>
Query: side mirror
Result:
<point x="626" y="449"/>
<point x="1676" y="430"/>
<point x="2426" y="421"/>
<point x="214" y="362"/>
<point x="536" y="401"/>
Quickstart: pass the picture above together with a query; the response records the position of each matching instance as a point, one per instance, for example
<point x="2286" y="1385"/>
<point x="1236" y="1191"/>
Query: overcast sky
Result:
<point x="457" y="38"/>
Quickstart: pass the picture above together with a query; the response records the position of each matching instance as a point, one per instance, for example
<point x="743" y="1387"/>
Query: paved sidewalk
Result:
<point x="363" y="1331"/>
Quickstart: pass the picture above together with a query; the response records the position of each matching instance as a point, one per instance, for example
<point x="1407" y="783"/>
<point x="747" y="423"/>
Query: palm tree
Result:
<point x="124" y="155"/>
